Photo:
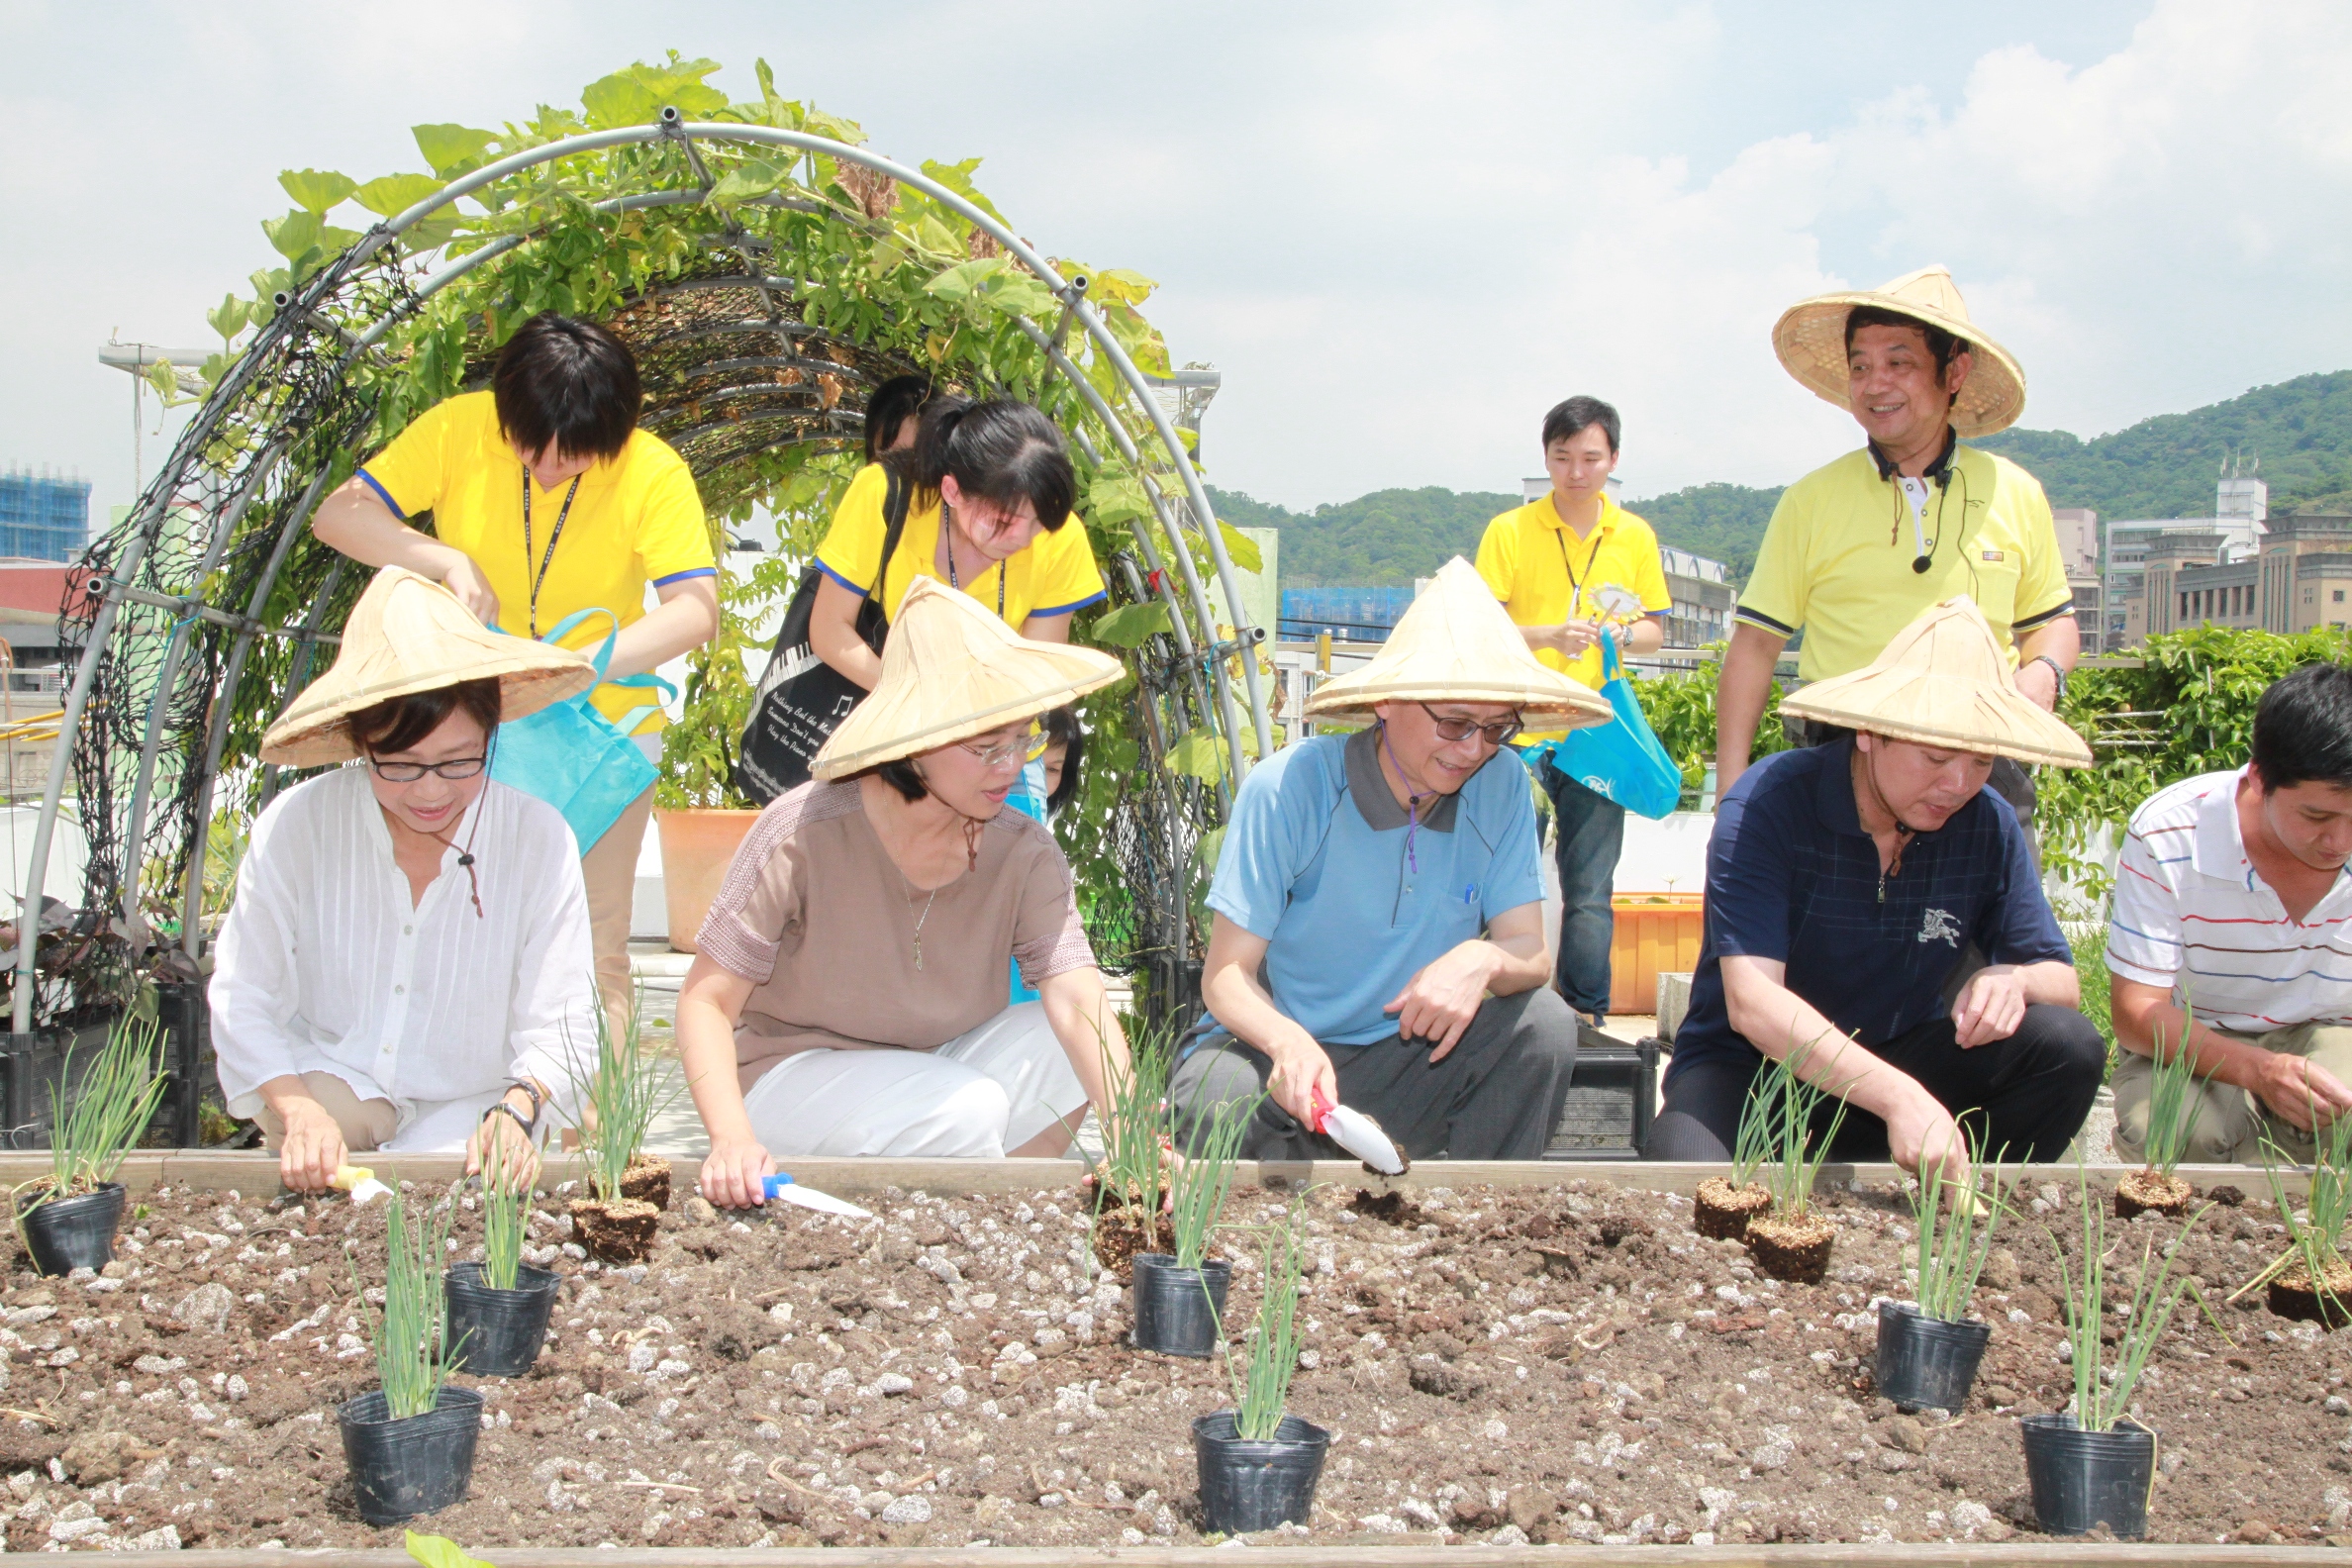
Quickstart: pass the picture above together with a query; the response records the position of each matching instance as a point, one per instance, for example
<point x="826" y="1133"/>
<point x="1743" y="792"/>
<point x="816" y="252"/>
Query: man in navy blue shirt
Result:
<point x="1845" y="885"/>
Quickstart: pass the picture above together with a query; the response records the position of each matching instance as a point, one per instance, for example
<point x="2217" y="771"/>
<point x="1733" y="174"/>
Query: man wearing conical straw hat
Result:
<point x="1844" y="882"/>
<point x="847" y="997"/>
<point x="1377" y="911"/>
<point x="1857" y="548"/>
<point x="407" y="963"/>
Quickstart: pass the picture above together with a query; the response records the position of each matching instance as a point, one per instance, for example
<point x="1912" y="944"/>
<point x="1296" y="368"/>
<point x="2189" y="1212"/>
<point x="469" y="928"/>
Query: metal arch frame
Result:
<point x="117" y="588"/>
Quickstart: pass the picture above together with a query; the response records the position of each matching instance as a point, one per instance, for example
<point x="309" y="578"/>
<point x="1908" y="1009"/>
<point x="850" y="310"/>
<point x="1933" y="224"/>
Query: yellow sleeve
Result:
<point x="1649" y="576"/>
<point x="1498" y="556"/>
<point x="1066" y="578"/>
<point x="2044" y="593"/>
<point x="1775" y="596"/>
<point x="407" y="476"/>
<point x="673" y="538"/>
<point x="852" y="549"/>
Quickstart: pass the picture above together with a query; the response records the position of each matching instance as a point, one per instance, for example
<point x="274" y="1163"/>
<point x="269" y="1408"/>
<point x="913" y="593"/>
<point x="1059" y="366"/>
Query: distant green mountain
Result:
<point x="2299" y="433"/>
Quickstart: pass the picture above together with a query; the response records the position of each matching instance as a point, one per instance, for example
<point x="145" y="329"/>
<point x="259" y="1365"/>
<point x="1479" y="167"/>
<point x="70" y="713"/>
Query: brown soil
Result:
<point x="2151" y="1192"/>
<point x="1571" y="1363"/>
<point x="1792" y="1247"/>
<point x="2327" y="1304"/>
<point x="620" y="1232"/>
<point x="646" y="1180"/>
<point x="1722" y="1211"/>
<point x="1122" y="1233"/>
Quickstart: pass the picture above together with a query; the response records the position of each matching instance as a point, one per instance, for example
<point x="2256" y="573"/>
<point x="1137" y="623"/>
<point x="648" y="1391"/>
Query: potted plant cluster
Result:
<point x="1180" y="1294"/>
<point x="1789" y="1241"/>
<point x="410" y="1443"/>
<point x="1928" y="1350"/>
<point x="1723" y="1208"/>
<point x="620" y="1098"/>
<point x="1131" y="1184"/>
<point x="2311" y="1280"/>
<point x="68" y="1219"/>
<point x="2091" y="1465"/>
<point x="497" y="1309"/>
<point x="1259" y="1464"/>
<point x="2171" y="1110"/>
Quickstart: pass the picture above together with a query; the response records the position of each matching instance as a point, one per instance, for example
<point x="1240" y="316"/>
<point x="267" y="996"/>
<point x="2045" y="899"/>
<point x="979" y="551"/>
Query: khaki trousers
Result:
<point x="2228" y="1124"/>
<point x="366" y="1125"/>
<point x="610" y="870"/>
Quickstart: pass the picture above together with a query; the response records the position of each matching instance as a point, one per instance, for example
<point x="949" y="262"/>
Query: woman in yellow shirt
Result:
<point x="546" y="499"/>
<point x="993" y="489"/>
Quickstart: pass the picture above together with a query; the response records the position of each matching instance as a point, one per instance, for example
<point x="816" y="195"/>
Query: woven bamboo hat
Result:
<point x="1456" y="643"/>
<point x="952" y="670"/>
<point x="1809" y="338"/>
<point x="1944" y="682"/>
<point x="407" y="634"/>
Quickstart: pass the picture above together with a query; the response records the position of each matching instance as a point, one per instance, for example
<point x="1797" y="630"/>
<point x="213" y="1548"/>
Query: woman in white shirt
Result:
<point x="407" y="965"/>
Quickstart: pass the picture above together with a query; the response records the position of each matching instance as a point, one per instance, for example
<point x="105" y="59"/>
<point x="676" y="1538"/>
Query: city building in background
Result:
<point x="44" y="516"/>
<point x="2143" y="590"/>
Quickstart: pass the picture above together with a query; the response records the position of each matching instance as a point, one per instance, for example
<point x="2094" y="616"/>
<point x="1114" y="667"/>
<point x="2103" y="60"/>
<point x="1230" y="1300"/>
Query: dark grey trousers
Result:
<point x="1496" y="1095"/>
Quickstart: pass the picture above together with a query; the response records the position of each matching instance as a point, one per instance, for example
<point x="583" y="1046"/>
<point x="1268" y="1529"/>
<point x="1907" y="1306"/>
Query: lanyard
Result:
<point x="547" y="560"/>
<point x="1575" y="587"/>
<point x="947" y="521"/>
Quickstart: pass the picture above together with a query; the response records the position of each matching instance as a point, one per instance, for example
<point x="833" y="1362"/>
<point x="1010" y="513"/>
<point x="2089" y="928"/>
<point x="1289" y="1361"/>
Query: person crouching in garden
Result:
<point x="407" y="966"/>
<point x="1849" y="886"/>
<point x="2229" y="897"/>
<point x="847" y="996"/>
<point x="1378" y="906"/>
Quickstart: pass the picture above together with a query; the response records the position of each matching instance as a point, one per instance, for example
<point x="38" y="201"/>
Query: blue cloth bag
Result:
<point x="1621" y="760"/>
<point x="572" y="756"/>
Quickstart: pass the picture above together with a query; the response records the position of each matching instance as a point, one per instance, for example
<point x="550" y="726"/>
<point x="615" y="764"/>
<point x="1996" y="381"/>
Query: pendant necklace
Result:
<point x="948" y="525"/>
<point x="1903" y="832"/>
<point x="919" y="919"/>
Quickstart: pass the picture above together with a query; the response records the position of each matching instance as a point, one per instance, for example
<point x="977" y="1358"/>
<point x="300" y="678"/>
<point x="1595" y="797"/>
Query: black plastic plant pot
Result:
<point x="1178" y="1310"/>
<point x="495" y="1332"/>
<point x="2085" y="1479"/>
<point x="413" y="1466"/>
<point x="1927" y="1363"/>
<point x="1251" y="1485"/>
<point x="66" y="1234"/>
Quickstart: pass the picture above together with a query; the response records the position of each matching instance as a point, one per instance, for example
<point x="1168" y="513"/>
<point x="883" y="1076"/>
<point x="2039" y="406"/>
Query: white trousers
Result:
<point x="982" y="1093"/>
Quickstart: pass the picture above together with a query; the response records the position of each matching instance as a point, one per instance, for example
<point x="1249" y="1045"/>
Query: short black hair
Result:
<point x="1002" y="450"/>
<point x="1063" y="730"/>
<point x="900" y="775"/>
<point x="893" y="403"/>
<point x="398" y="723"/>
<point x="566" y="381"/>
<point x="2303" y="729"/>
<point x="1940" y="344"/>
<point x="1577" y="414"/>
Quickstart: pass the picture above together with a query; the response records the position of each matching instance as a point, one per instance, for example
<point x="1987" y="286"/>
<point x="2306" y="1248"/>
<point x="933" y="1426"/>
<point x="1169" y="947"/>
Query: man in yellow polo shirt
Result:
<point x="1859" y="548"/>
<point x="546" y="498"/>
<point x="1572" y="568"/>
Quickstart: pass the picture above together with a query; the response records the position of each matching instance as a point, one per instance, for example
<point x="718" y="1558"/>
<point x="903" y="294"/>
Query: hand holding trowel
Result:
<point x="1357" y="1133"/>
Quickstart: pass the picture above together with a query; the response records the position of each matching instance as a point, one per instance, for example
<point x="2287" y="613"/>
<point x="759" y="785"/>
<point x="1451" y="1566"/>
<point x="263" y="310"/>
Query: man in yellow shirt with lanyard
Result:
<point x="1572" y="568"/>
<point x="546" y="498"/>
<point x="1858" y="549"/>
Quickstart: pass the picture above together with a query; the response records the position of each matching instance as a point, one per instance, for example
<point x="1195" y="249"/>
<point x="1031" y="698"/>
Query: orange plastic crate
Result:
<point x="1656" y="933"/>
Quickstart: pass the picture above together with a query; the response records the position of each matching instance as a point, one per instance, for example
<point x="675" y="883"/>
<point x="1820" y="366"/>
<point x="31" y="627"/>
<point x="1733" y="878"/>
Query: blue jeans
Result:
<point x="1592" y="835"/>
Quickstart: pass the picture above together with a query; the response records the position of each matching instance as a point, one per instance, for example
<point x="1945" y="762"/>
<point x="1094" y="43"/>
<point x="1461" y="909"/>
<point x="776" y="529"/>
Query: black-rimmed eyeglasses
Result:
<point x="410" y="773"/>
<point x="1499" y="733"/>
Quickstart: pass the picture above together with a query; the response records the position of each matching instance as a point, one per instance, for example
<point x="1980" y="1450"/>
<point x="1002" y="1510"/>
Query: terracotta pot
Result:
<point x="696" y="848"/>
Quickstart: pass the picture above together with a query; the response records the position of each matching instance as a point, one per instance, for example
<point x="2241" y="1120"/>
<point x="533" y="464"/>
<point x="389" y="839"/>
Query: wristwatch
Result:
<point x="2057" y="673"/>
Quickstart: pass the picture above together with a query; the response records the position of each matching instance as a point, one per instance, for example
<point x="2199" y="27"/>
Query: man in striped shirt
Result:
<point x="2232" y="902"/>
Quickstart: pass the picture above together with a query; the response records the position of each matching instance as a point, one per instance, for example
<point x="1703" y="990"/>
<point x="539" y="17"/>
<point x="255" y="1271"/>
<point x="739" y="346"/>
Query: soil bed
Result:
<point x="1557" y="1364"/>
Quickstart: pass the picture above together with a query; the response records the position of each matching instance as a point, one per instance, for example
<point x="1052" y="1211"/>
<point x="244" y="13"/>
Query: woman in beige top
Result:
<point x="848" y="996"/>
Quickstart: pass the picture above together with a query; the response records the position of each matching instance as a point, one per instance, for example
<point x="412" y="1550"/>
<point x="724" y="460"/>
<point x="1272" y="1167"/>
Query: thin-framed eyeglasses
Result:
<point x="1497" y="735"/>
<point x="1024" y="751"/>
<point x="410" y="773"/>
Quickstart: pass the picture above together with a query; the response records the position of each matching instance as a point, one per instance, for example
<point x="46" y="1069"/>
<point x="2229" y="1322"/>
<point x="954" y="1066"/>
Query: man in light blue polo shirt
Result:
<point x="1378" y="918"/>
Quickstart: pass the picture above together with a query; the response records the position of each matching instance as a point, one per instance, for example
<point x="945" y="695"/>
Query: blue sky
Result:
<point x="1401" y="232"/>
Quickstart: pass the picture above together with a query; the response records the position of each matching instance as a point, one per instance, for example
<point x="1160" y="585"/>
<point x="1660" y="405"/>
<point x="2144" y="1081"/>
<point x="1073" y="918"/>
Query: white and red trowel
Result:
<point x="1357" y="1133"/>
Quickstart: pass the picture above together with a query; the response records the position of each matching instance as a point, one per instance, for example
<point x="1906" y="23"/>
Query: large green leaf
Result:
<point x="965" y="278"/>
<point x="450" y="150"/>
<point x="1128" y="625"/>
<point x="958" y="177"/>
<point x="228" y="317"/>
<point x="1121" y="286"/>
<point x="1240" y="549"/>
<point x="1118" y="496"/>
<point x="1199" y="754"/>
<point x="618" y="100"/>
<point x="294" y="234"/>
<point x="439" y="1551"/>
<point x="750" y="179"/>
<point x="395" y="194"/>
<point x="317" y="190"/>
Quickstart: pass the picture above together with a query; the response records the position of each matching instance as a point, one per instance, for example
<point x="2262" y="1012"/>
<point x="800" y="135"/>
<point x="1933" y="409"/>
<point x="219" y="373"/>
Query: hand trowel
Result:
<point x="781" y="1188"/>
<point x="1357" y="1133"/>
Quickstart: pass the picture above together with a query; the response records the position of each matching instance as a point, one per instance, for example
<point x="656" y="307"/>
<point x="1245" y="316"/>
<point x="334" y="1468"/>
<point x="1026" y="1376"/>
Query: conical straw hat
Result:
<point x="406" y="635"/>
<point x="952" y="670"/>
<point x="1456" y="643"/>
<point x="1809" y="338"/>
<point x="1944" y="682"/>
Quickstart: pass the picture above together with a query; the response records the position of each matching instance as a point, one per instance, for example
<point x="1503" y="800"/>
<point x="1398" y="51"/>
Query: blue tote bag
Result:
<point x="1621" y="760"/>
<point x="572" y="756"/>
